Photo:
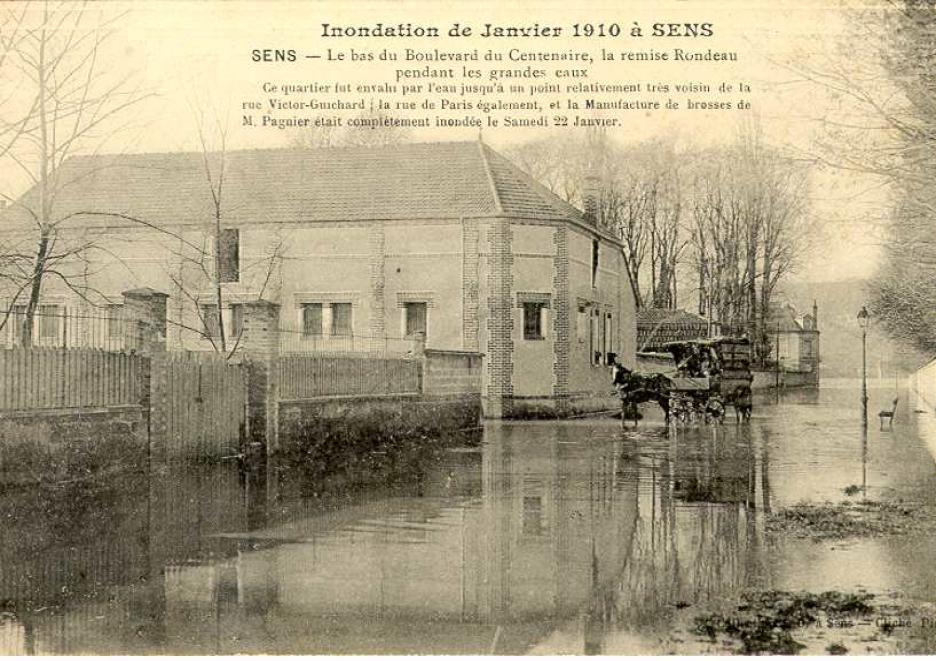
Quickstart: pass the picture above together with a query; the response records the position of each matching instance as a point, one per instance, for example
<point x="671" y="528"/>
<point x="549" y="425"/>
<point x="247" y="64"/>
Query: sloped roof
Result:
<point x="785" y="316"/>
<point x="409" y="181"/>
<point x="668" y="317"/>
<point x="657" y="326"/>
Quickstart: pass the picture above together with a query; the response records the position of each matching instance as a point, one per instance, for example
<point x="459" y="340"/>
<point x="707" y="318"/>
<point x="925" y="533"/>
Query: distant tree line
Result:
<point x="883" y="126"/>
<point x="711" y="228"/>
<point x="903" y="292"/>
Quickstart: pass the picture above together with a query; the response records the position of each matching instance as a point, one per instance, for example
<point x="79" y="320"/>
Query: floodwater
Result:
<point x="547" y="538"/>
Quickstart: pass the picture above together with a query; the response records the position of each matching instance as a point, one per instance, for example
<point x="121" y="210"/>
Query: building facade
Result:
<point x="362" y="248"/>
<point x="794" y="344"/>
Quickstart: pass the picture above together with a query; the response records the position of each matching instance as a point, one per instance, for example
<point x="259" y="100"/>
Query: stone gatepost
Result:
<point x="260" y="341"/>
<point x="144" y="317"/>
<point x="145" y="320"/>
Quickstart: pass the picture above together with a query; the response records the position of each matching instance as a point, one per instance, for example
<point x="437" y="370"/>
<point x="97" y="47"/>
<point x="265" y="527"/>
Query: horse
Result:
<point x="634" y="389"/>
<point x="741" y="400"/>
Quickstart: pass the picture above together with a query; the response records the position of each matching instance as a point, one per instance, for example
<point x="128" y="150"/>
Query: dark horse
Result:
<point x="634" y="389"/>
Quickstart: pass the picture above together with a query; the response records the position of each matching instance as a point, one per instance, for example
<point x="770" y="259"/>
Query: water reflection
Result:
<point x="552" y="538"/>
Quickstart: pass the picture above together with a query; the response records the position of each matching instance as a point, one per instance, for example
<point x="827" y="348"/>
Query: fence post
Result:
<point x="260" y="343"/>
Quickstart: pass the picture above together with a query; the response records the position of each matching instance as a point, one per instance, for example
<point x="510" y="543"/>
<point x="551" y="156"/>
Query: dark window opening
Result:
<point x="608" y="337"/>
<point x="414" y="318"/>
<point x="533" y="327"/>
<point x="237" y="319"/>
<point x="341" y="319"/>
<point x="311" y="319"/>
<point x="17" y="319"/>
<point x="50" y="318"/>
<point x="594" y="264"/>
<point x="210" y="326"/>
<point x="115" y="326"/>
<point x="229" y="255"/>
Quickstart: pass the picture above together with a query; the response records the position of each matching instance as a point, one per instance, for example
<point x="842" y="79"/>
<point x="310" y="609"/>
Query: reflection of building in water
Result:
<point x="506" y="546"/>
<point x="81" y="563"/>
<point x="469" y="574"/>
<point x="696" y="537"/>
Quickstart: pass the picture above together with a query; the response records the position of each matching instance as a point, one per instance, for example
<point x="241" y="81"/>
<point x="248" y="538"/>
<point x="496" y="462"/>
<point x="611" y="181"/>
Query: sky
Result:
<point x="193" y="59"/>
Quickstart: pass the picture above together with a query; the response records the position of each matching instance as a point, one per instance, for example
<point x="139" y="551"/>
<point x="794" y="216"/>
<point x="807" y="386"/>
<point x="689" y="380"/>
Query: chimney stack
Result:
<point x="590" y="196"/>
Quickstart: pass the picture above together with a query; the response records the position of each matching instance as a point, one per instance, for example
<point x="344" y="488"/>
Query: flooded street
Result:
<point x="569" y="537"/>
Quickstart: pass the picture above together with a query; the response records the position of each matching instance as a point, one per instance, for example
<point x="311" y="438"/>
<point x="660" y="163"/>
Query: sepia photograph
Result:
<point x="467" y="328"/>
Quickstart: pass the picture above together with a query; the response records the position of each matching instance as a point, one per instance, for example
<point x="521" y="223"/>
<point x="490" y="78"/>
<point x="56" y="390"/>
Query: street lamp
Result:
<point x="863" y="322"/>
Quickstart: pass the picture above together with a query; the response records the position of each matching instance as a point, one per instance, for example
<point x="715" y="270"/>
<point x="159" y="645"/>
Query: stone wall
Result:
<point x="451" y="373"/>
<point x="768" y="379"/>
<point x="52" y="446"/>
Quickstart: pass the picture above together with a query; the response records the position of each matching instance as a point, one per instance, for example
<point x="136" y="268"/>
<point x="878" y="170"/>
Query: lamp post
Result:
<point x="863" y="322"/>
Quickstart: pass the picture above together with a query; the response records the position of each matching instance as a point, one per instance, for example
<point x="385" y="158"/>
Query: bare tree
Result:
<point x="749" y="230"/>
<point x="883" y="127"/>
<point x="65" y="98"/>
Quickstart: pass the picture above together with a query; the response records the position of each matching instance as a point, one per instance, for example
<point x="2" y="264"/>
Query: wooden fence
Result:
<point x="198" y="406"/>
<point x="41" y="378"/>
<point x="312" y="376"/>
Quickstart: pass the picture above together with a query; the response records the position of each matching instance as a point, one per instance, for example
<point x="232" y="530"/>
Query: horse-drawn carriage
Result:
<point x="694" y="380"/>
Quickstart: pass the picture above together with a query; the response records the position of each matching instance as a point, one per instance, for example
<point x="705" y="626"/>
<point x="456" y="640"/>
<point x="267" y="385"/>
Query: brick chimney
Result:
<point x="590" y="198"/>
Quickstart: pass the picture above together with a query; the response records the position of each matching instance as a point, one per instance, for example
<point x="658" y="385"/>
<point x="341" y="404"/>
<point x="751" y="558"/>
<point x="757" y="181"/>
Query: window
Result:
<point x="594" y="264"/>
<point x="414" y="319"/>
<point x="209" y="315"/>
<point x="237" y="319"/>
<point x="594" y="347"/>
<point x="311" y="319"/>
<point x="50" y="323"/>
<point x="608" y="336"/>
<point x="115" y="326"/>
<point x="581" y="327"/>
<point x="533" y="516"/>
<point x="341" y="319"/>
<point x="534" y="314"/>
<point x="16" y="324"/>
<point x="229" y="255"/>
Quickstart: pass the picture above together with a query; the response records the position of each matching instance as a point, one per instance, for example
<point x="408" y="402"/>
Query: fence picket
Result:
<point x="53" y="378"/>
<point x="309" y="376"/>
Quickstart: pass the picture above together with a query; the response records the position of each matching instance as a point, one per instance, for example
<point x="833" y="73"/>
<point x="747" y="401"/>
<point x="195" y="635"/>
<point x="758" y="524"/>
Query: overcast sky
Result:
<point x="198" y="55"/>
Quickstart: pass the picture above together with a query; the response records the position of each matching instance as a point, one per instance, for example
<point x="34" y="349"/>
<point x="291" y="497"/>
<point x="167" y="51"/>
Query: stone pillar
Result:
<point x="145" y="334"/>
<point x="498" y="385"/>
<point x="563" y="322"/>
<point x="260" y="343"/>
<point x="145" y="320"/>
<point x="377" y="260"/>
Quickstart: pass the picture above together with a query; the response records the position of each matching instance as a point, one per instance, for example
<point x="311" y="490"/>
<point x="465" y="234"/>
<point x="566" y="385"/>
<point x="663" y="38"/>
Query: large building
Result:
<point x="794" y="343"/>
<point x="362" y="248"/>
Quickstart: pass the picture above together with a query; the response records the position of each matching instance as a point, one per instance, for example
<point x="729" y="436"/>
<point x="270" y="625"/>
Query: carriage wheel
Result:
<point x="715" y="408"/>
